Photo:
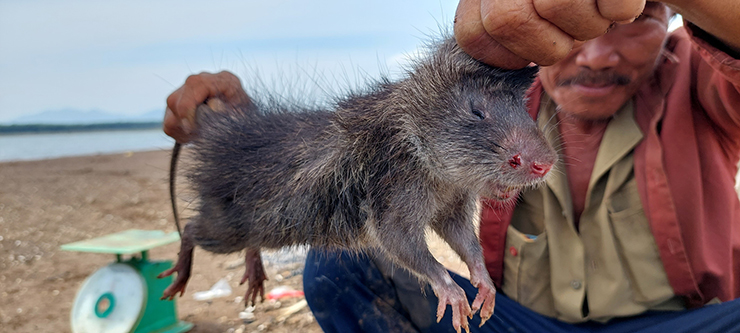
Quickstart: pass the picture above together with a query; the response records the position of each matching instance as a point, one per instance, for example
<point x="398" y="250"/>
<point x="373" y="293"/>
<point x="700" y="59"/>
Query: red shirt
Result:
<point x="685" y="169"/>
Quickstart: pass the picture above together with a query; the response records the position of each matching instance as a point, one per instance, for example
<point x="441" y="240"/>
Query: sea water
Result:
<point x="23" y="147"/>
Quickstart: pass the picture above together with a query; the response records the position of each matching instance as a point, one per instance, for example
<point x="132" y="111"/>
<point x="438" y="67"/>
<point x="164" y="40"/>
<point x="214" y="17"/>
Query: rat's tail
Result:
<point x="173" y="171"/>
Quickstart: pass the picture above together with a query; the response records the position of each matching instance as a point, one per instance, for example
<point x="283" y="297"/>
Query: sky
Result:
<point x="125" y="57"/>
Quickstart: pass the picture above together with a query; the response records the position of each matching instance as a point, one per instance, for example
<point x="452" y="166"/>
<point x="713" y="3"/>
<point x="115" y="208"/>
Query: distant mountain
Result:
<point x="74" y="116"/>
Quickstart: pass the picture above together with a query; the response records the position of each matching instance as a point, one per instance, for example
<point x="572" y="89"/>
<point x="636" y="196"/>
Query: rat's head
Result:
<point x="476" y="125"/>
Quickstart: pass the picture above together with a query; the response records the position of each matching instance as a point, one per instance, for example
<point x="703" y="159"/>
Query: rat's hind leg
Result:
<point x="182" y="267"/>
<point x="255" y="273"/>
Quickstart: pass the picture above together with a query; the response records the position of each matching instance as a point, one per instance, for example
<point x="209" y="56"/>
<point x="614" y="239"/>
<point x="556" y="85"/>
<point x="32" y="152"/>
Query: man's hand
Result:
<point x="179" y="118"/>
<point x="513" y="33"/>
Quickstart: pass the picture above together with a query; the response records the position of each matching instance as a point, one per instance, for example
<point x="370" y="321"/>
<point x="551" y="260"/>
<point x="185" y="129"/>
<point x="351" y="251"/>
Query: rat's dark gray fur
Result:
<point x="375" y="172"/>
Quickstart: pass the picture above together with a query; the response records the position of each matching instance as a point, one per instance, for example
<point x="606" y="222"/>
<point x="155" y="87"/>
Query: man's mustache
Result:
<point x="598" y="79"/>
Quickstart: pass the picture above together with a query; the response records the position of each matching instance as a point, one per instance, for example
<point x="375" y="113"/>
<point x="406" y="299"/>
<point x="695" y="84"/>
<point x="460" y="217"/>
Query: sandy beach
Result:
<point x="47" y="203"/>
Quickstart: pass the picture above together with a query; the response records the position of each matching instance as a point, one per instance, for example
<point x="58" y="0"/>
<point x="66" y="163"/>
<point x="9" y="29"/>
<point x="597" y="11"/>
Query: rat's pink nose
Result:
<point x="540" y="169"/>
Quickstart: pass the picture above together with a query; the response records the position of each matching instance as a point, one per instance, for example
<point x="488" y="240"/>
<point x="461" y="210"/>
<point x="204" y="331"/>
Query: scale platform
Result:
<point x="123" y="297"/>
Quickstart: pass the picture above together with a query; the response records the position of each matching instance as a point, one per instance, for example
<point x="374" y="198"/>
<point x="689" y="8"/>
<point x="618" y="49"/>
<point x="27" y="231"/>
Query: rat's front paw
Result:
<point x="486" y="298"/>
<point x="453" y="295"/>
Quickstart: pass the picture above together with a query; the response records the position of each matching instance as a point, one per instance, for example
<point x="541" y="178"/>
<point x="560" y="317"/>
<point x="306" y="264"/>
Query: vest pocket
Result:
<point x="527" y="271"/>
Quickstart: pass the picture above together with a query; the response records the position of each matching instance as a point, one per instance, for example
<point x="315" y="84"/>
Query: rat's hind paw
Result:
<point x="183" y="267"/>
<point x="255" y="273"/>
<point x="178" y="285"/>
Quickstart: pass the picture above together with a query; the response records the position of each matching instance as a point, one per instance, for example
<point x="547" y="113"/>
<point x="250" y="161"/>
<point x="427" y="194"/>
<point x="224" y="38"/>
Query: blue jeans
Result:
<point x="356" y="293"/>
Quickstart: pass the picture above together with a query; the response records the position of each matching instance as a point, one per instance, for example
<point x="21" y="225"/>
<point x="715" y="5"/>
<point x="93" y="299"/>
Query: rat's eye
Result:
<point x="479" y="114"/>
<point x="476" y="111"/>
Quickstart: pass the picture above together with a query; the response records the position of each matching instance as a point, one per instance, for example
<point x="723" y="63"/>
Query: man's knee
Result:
<point x="347" y="293"/>
<point x="318" y="279"/>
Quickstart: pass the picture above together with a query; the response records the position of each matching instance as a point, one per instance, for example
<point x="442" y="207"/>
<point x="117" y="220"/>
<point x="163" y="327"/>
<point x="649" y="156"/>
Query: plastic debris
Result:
<point x="283" y="291"/>
<point x="219" y="289"/>
<point x="246" y="317"/>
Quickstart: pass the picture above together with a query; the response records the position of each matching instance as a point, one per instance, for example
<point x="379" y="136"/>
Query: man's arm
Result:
<point x="719" y="18"/>
<point x="513" y="33"/>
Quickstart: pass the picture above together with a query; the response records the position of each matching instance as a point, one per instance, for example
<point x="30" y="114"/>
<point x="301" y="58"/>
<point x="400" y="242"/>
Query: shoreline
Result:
<point x="37" y="146"/>
<point x="112" y="153"/>
<point x="18" y="129"/>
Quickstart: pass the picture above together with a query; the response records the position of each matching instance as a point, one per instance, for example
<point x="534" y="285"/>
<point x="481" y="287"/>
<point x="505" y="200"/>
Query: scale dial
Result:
<point x="110" y="301"/>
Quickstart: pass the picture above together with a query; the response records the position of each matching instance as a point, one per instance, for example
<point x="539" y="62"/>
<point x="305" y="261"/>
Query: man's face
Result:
<point x="600" y="75"/>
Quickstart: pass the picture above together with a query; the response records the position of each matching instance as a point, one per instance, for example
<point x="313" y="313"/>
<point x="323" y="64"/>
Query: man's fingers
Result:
<point x="580" y="19"/>
<point x="199" y="88"/>
<point x="475" y="40"/>
<point x="182" y="103"/>
<point x="620" y="10"/>
<point x="196" y="90"/>
<point x="174" y="98"/>
<point x="513" y="33"/>
<point x="231" y="88"/>
<point x="516" y="25"/>
<point x="178" y="129"/>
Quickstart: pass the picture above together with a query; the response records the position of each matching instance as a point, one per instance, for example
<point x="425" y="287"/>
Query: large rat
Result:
<point x="373" y="173"/>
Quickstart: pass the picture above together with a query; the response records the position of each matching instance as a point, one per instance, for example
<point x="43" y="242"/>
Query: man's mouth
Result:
<point x="595" y="80"/>
<point x="596" y="90"/>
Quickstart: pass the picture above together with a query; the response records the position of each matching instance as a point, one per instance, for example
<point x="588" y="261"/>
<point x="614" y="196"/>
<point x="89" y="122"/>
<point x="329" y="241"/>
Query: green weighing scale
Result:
<point x="123" y="297"/>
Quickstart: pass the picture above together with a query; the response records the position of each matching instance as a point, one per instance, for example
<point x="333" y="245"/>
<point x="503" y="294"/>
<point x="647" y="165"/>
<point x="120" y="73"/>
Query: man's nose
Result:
<point x="597" y="54"/>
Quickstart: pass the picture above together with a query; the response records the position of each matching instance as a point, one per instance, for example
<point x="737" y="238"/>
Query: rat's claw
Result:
<point x="181" y="281"/>
<point x="441" y="310"/>
<point x="456" y="320"/>
<point x="167" y="272"/>
<point x="459" y="319"/>
<point x="463" y="320"/>
<point x="171" y="291"/>
<point x="255" y="274"/>
<point x="488" y="295"/>
<point x="485" y="301"/>
<point x="253" y="290"/>
<point x="455" y="297"/>
<point x="182" y="267"/>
